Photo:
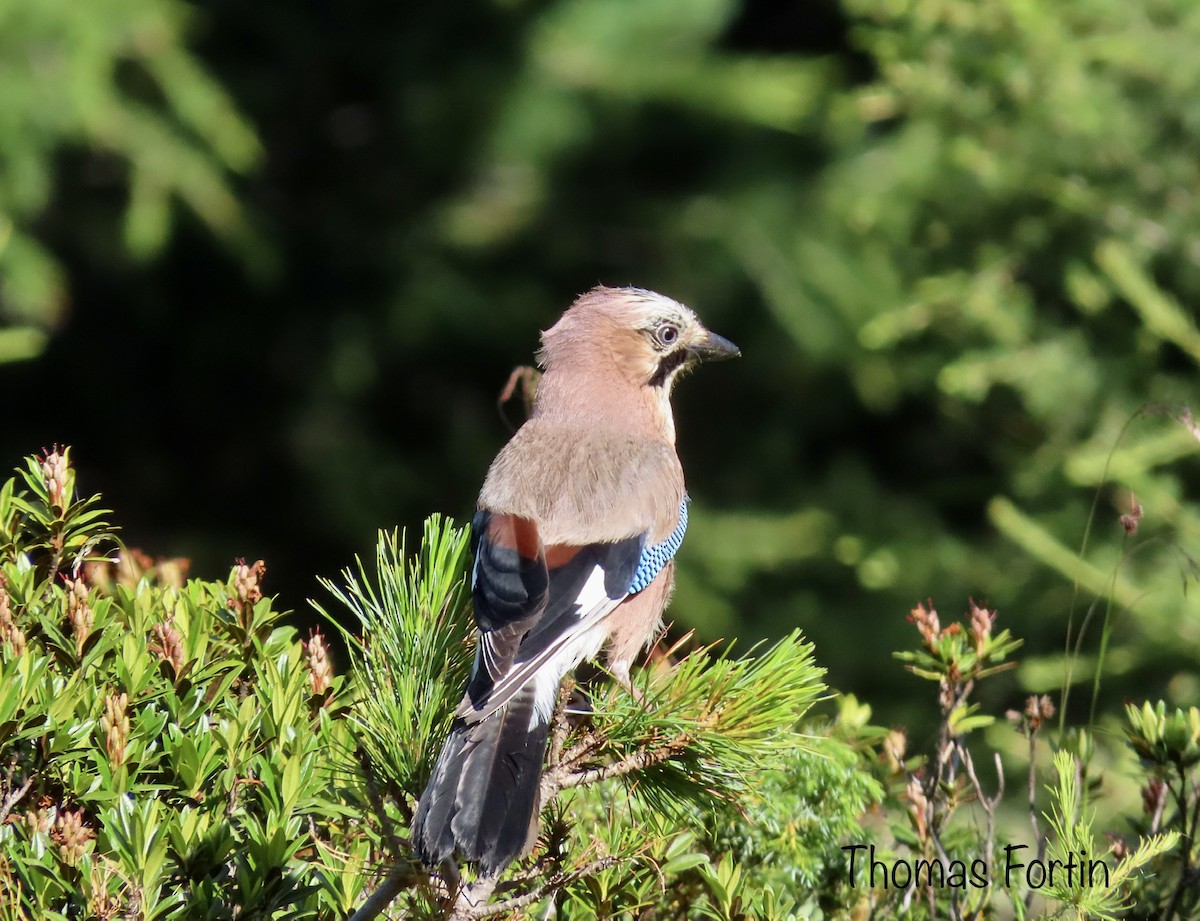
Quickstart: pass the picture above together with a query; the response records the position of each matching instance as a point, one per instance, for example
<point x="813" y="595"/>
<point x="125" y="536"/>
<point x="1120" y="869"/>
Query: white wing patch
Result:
<point x="582" y="641"/>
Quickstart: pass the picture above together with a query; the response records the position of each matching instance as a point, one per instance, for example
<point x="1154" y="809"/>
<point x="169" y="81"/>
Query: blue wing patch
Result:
<point x="654" y="558"/>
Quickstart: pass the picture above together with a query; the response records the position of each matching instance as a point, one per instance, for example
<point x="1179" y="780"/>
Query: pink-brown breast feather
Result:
<point x="586" y="485"/>
<point x="638" y="619"/>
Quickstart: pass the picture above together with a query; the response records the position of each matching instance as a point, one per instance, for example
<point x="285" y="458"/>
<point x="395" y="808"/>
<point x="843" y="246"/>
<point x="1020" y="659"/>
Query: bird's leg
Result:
<point x="472" y="896"/>
<point x="620" y="671"/>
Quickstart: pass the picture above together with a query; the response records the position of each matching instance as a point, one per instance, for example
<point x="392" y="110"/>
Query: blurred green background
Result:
<point x="267" y="266"/>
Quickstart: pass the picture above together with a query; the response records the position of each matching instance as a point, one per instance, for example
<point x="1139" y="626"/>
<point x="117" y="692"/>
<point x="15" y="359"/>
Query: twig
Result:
<point x="930" y="895"/>
<point x="587" y="744"/>
<point x="472" y="899"/>
<point x="14" y="796"/>
<point x="988" y="803"/>
<point x="1188" y="830"/>
<point x="400" y="878"/>
<point x="1156" y="817"/>
<point x="1033" y="820"/>
<point x="527" y="378"/>
<point x="558" y="780"/>
<point x="559" y="726"/>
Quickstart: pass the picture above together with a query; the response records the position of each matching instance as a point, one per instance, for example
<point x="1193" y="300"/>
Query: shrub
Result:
<point x="168" y="749"/>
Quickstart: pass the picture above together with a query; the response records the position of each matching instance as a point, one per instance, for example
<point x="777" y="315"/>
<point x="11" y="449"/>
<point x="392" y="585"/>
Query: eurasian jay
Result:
<point x="577" y="523"/>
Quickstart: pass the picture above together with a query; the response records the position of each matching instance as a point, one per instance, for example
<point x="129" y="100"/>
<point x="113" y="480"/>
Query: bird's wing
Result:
<point x="534" y="602"/>
<point x="537" y="604"/>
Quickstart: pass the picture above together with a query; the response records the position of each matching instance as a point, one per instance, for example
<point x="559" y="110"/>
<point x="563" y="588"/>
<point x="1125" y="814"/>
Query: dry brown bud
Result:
<point x="134" y="564"/>
<point x="79" y="613"/>
<point x="927" y="623"/>
<point x="99" y="574"/>
<point x="54" y="473"/>
<point x="71" y="835"/>
<point x="247" y="587"/>
<point x="168" y="645"/>
<point x="39" y="820"/>
<point x="1133" y="517"/>
<point x="918" y="806"/>
<point x="981" y="626"/>
<point x="173" y="571"/>
<point x="1120" y="849"/>
<point x="320" y="668"/>
<point x="1038" y="710"/>
<point x="115" y="723"/>
<point x="11" y="635"/>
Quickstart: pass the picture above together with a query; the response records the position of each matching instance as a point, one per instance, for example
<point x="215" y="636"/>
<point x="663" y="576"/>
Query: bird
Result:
<point x="573" y="540"/>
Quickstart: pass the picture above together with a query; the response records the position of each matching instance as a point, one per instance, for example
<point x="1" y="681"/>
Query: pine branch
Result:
<point x="557" y="780"/>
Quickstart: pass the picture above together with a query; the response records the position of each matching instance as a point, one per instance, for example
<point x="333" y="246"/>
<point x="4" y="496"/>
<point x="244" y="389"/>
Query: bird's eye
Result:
<point x="667" y="334"/>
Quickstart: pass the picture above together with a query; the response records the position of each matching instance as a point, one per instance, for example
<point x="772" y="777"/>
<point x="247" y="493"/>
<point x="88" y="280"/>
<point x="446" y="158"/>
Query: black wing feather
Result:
<point x="482" y="799"/>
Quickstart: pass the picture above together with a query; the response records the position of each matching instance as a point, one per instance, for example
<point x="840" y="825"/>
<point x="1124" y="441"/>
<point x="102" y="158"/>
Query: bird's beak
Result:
<point x="714" y="348"/>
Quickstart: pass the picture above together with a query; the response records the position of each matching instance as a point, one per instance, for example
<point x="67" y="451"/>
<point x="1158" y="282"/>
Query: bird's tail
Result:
<point x="483" y="798"/>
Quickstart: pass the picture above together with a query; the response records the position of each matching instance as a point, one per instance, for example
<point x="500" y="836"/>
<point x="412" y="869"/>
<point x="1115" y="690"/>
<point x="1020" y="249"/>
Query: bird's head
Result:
<point x="647" y="338"/>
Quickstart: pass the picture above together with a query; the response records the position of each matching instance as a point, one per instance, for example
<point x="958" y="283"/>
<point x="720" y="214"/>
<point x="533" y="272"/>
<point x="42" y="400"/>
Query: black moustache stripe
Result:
<point x="668" y="364"/>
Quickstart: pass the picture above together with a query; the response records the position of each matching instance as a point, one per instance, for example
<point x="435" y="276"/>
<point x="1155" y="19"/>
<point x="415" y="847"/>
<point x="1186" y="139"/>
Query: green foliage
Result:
<point x="1162" y="738"/>
<point x="731" y="803"/>
<point x="728" y="717"/>
<point x="1086" y="895"/>
<point x="117" y="79"/>
<point x="168" y="749"/>
<point x="171" y="750"/>
<point x="1000" y="235"/>
<point x="940" y="812"/>
<point x="956" y="657"/>
<point x="1166" y="741"/>
<point x="789" y="830"/>
<point x="955" y="238"/>
<point x="413" y="619"/>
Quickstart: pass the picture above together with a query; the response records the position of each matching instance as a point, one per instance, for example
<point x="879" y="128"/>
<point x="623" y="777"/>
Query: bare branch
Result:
<point x="1187" y="835"/>
<point x="558" y="780"/>
<point x="472" y="899"/>
<point x="988" y="803"/>
<point x="400" y="878"/>
<point x="14" y="796"/>
<point x="588" y="743"/>
<point x="559" y="725"/>
<point x="1038" y="837"/>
